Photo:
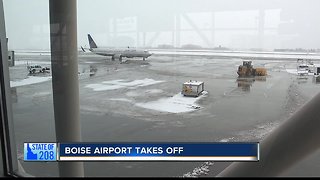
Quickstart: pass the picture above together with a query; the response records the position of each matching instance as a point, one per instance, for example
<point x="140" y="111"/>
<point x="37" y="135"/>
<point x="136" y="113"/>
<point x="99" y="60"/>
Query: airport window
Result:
<point x="160" y="71"/>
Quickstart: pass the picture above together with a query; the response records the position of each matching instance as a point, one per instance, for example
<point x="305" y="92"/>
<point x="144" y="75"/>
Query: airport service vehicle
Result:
<point x="192" y="88"/>
<point x="306" y="67"/>
<point x="247" y="70"/>
<point x="302" y="69"/>
<point x="37" y="68"/>
<point x="316" y="70"/>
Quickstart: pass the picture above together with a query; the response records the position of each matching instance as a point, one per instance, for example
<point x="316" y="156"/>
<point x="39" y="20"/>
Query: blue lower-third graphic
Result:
<point x="40" y="151"/>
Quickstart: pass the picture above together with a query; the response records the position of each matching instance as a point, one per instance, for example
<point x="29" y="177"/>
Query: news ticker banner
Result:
<point x="141" y="151"/>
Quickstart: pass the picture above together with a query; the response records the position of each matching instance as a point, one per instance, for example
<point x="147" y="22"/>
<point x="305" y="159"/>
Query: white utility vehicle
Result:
<point x="37" y="68"/>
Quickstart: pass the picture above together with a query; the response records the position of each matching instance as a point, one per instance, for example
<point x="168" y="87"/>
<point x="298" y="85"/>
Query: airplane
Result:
<point x="83" y="49"/>
<point x="117" y="53"/>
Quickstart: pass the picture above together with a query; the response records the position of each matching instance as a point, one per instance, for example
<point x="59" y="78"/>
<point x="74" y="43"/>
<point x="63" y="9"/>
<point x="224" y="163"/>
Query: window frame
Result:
<point x="8" y="150"/>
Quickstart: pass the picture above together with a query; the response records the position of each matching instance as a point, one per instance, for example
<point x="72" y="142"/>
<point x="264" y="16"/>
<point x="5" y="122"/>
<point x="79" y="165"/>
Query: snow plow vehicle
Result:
<point x="247" y="70"/>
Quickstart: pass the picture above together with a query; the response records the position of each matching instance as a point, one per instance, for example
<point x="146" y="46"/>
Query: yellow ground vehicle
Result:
<point x="247" y="70"/>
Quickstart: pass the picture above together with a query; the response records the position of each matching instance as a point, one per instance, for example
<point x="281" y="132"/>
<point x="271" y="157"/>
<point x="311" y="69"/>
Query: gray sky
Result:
<point x="241" y="24"/>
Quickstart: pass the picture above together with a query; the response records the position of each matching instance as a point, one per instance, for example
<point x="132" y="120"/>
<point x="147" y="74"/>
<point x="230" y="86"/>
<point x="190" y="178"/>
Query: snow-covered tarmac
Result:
<point x="140" y="101"/>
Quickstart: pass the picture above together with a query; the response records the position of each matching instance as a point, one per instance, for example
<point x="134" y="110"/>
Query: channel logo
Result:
<point x="40" y="151"/>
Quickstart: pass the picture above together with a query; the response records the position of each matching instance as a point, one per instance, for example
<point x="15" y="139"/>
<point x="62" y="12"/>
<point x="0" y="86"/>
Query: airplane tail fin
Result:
<point x="82" y="49"/>
<point x="92" y="44"/>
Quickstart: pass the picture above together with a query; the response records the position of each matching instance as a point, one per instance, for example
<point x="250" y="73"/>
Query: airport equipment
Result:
<point x="11" y="58"/>
<point x="307" y="67"/>
<point x="316" y="79"/>
<point x="247" y="70"/>
<point x="303" y="67"/>
<point x="316" y="70"/>
<point x="37" y="68"/>
<point x="192" y="88"/>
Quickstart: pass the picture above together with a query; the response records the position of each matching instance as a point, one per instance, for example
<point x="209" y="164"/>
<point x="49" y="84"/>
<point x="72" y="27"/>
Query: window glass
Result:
<point x="132" y="68"/>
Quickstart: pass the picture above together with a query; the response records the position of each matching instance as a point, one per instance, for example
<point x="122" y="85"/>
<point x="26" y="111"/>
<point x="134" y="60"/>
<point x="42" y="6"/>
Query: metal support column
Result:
<point x="115" y="28"/>
<point x="172" y="38"/>
<point x="261" y="28"/>
<point x="144" y="34"/>
<point x="154" y="37"/>
<point x="107" y="25"/>
<point x="137" y="32"/>
<point x="64" y="60"/>
<point x="213" y="31"/>
<point x="178" y="30"/>
<point x="195" y="27"/>
<point x="8" y="151"/>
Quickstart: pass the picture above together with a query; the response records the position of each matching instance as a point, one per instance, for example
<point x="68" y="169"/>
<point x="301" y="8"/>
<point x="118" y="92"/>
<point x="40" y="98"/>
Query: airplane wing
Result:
<point x="119" y="56"/>
<point x="84" y="50"/>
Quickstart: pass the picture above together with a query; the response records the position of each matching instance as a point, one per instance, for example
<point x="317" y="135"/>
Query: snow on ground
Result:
<point x="252" y="135"/>
<point x="120" y="99"/>
<point x="242" y="54"/>
<point x="90" y="62"/>
<point x="32" y="52"/>
<point x="37" y="94"/>
<point x="133" y="94"/>
<point x="139" y="93"/>
<point x="120" y="83"/>
<point x="153" y="91"/>
<point x="176" y="104"/>
<point x="201" y="170"/>
<point x="29" y="80"/>
<point x="23" y="62"/>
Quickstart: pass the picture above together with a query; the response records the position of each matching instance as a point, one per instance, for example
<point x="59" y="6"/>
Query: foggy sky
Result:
<point x="241" y="24"/>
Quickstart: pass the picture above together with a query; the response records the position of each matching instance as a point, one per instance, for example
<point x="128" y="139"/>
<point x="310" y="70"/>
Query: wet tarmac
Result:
<point x="112" y="96"/>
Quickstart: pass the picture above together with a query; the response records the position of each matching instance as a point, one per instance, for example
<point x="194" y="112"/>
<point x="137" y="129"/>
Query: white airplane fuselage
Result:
<point x="128" y="53"/>
<point x="117" y="53"/>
